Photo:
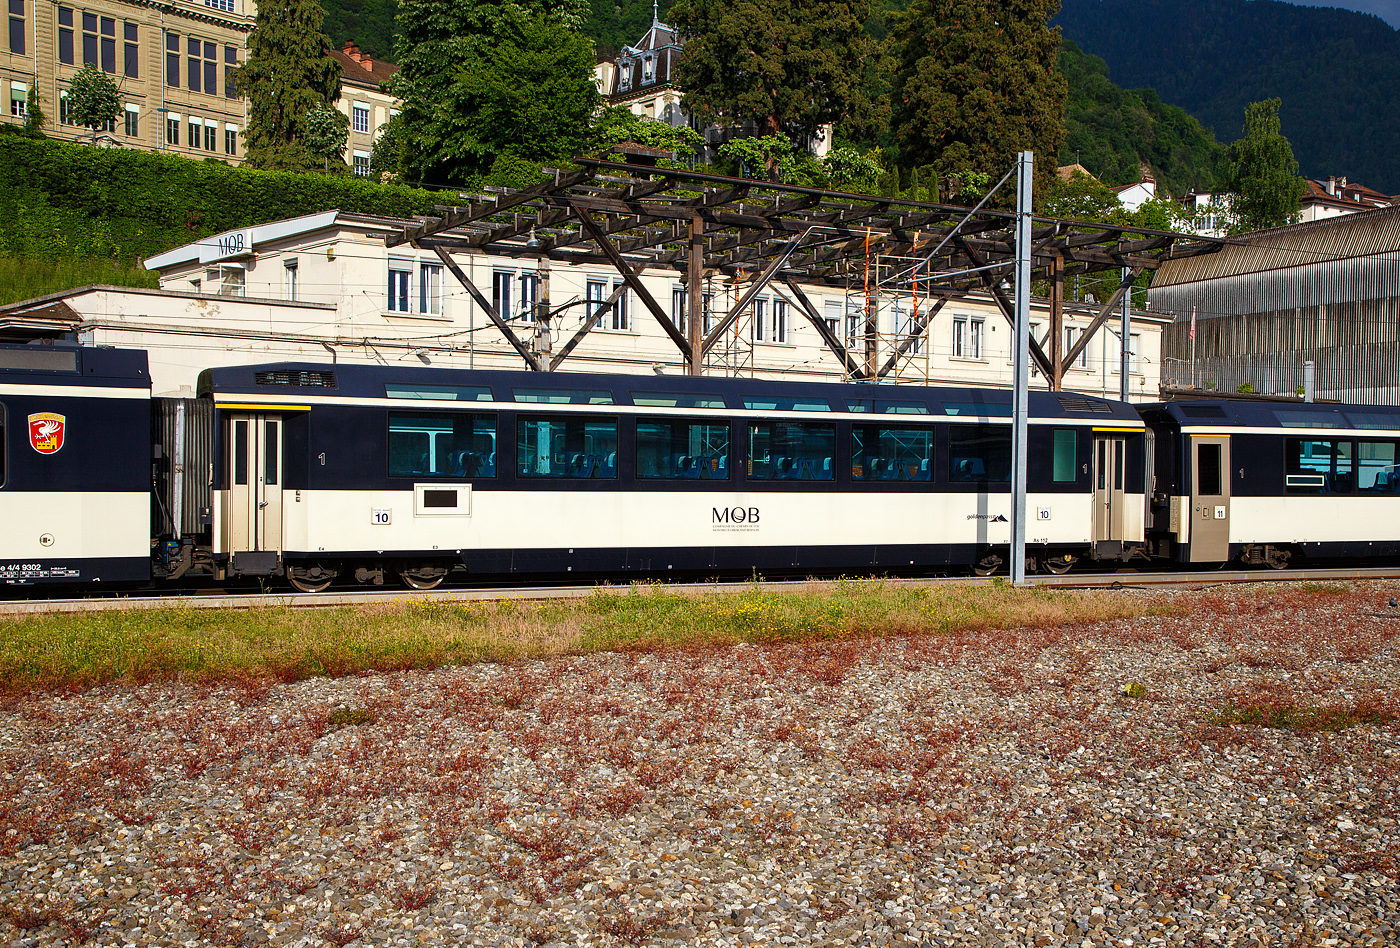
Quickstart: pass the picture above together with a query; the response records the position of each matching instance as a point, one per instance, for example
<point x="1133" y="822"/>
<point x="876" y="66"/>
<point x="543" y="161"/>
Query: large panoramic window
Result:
<point x="791" y="450"/>
<point x="891" y="454"/>
<point x="682" y="449"/>
<point x="441" y="444"/>
<point x="979" y="453"/>
<point x="566" y="446"/>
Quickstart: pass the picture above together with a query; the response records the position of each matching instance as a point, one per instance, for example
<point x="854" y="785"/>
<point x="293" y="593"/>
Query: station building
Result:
<point x="326" y="288"/>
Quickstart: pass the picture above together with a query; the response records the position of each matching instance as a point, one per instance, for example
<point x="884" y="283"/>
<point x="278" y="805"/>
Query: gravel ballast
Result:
<point x="1110" y="784"/>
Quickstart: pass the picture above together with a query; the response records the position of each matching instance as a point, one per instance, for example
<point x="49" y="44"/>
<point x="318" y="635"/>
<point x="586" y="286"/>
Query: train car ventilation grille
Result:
<point x="1203" y="411"/>
<point x="1078" y="403"/>
<point x="301" y="379"/>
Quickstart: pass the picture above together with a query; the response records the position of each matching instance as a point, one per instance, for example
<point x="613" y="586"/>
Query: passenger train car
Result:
<point x="314" y="471"/>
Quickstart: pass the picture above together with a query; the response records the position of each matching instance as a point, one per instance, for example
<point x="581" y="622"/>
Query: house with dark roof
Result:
<point x="1334" y="197"/>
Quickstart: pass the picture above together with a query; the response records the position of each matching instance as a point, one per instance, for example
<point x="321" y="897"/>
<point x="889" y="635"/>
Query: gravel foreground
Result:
<point x="990" y="788"/>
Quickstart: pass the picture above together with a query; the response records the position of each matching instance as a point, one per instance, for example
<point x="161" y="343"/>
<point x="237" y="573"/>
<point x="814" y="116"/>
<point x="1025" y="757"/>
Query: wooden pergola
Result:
<point x="635" y="215"/>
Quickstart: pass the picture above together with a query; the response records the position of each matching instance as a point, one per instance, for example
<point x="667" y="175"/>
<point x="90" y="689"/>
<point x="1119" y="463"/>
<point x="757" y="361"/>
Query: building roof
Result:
<point x="1364" y="234"/>
<point x="1336" y="192"/>
<point x="360" y="68"/>
<point x="1067" y="172"/>
<point x="647" y="65"/>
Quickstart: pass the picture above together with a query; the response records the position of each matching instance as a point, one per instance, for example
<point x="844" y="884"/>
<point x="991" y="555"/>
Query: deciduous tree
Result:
<point x="480" y="80"/>
<point x="977" y="83"/>
<point x="1262" y="172"/>
<point x="326" y="132"/>
<point x="789" y="66"/>
<point x="93" y="99"/>
<point x="289" y="73"/>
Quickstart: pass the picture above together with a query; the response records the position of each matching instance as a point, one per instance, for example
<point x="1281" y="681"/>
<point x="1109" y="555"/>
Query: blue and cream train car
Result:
<point x="1270" y="482"/>
<point x="352" y="470"/>
<point x="75" y="475"/>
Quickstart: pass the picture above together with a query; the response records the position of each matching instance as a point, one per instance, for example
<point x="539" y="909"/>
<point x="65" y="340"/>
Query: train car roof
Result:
<point x="358" y="381"/>
<point x="71" y="364"/>
<point x="1231" y="413"/>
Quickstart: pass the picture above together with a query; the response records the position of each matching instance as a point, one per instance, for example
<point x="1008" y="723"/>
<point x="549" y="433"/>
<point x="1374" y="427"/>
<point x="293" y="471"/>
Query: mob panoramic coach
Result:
<point x="313" y="472"/>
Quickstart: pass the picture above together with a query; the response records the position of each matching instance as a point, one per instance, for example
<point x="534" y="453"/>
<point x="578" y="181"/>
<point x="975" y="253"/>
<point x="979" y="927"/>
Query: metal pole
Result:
<point x="1309" y="380"/>
<point x="1020" y="374"/>
<point x="1125" y="342"/>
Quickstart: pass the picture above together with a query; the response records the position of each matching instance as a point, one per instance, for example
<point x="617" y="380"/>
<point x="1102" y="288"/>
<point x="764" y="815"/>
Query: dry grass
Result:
<point x="64" y="651"/>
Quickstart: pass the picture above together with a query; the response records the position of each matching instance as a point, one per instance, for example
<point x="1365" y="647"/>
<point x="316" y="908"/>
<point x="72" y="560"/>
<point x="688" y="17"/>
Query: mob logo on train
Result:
<point x="46" y="431"/>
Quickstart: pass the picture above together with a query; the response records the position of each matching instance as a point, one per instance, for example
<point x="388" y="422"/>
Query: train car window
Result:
<point x="1118" y="456"/>
<point x="791" y="450"/>
<point x="1376" y="470"/>
<point x="1316" y="466"/>
<point x="1065" y="465"/>
<point x="562" y="396"/>
<point x="442" y="444"/>
<point x="1309" y="419"/>
<point x="979" y="453"/>
<point x="38" y="359"/>
<point x="891" y="454"/>
<point x="682" y="449"/>
<point x="880" y="406"/>
<point x="4" y="468"/>
<point x="782" y="403"/>
<point x="1208" y="480"/>
<point x="1373" y="420"/>
<point x="1101" y="445"/>
<point x="978" y="409"/>
<point x="566" y="446"/>
<point x="676" y="400"/>
<point x="439" y="393"/>
<point x="240" y="453"/>
<point x="271" y="441"/>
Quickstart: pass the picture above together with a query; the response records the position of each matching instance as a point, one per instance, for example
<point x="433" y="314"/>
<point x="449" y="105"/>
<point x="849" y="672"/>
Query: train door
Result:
<point x="1110" y="498"/>
<point x="253" y="503"/>
<point x="1210" y="499"/>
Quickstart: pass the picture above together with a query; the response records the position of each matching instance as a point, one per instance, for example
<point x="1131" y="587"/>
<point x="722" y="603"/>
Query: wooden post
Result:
<point x="1057" y="323"/>
<point x="695" y="297"/>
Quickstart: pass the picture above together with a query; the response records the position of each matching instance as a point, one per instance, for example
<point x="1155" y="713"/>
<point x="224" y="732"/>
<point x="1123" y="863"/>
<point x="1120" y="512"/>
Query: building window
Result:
<point x="17" y="27"/>
<point x="831" y="315"/>
<point x="172" y="129"/>
<point x="230" y="64"/>
<point x="529" y="296"/>
<point x="230" y="139"/>
<point x="594" y="293"/>
<point x="18" y="95"/>
<point x="1071" y="334"/>
<point x="780" y="320"/>
<point x="172" y="60"/>
<point x="211" y="68"/>
<point x="133" y="121"/>
<point x="195" y="129"/>
<point x="65" y="111"/>
<point x="65" y="35"/>
<point x="967" y="337"/>
<point x="202" y="66"/>
<point x="89" y="39"/>
<point x="648" y="69"/>
<point x="211" y="136"/>
<point x="359" y="117"/>
<point x="501" y="282"/>
<point x="109" y="45"/>
<point x="130" y="56"/>
<point x="399" y="273"/>
<point x="621" y="319"/>
<point x="225" y="5"/>
<point x="360" y="163"/>
<point x="430" y="289"/>
<point x="678" y="308"/>
<point x="760" y="316"/>
<point x="291" y="280"/>
<point x="231" y="281"/>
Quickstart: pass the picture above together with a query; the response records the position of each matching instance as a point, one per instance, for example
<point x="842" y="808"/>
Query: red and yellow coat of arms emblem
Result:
<point x="46" y="431"/>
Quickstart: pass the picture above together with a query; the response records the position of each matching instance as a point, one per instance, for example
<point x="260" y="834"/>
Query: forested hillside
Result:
<point x="1336" y="71"/>
<point x="1112" y="131"/>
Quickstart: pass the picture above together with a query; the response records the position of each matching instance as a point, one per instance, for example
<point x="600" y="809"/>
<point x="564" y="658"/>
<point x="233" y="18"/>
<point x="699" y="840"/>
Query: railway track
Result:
<point x="258" y="599"/>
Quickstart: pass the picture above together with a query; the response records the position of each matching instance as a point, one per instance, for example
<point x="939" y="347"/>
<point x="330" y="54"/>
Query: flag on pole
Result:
<point x="1192" y="334"/>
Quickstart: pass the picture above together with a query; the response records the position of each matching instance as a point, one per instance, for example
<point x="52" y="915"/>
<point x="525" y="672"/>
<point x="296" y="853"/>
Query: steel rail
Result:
<point x="294" y="600"/>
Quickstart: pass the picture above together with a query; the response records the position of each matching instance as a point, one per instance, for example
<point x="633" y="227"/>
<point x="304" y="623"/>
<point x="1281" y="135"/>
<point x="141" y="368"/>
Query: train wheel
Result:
<point x="423" y="577"/>
<point x="311" y="579"/>
<point x="987" y="565"/>
<point x="1059" y="565"/>
<point x="1276" y="557"/>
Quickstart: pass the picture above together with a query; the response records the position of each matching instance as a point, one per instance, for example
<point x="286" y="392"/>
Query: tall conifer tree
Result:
<point x="288" y="74"/>
<point x="977" y="83"/>
<point x="1262" y="172"/>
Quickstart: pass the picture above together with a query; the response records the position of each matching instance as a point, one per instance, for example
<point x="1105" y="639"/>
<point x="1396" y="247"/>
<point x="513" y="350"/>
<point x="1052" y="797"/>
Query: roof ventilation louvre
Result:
<point x="1080" y="403"/>
<point x="1203" y="411"/>
<point x="303" y="378"/>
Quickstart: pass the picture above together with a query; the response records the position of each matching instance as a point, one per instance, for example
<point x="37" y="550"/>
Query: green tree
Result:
<point x="93" y="99"/>
<point x="617" y="124"/>
<point x="1262" y="172"/>
<point x="289" y="73"/>
<point x="977" y="83"/>
<point x="1081" y="198"/>
<point x="849" y="170"/>
<point x="789" y="66"/>
<point x="326" y="130"/>
<point x="34" y="118"/>
<point x="482" y="79"/>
